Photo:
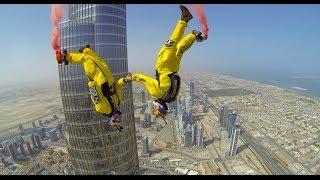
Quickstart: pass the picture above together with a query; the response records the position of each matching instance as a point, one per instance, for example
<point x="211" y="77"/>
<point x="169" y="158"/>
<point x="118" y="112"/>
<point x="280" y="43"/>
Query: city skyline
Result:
<point x="273" y="38"/>
<point x="248" y="102"/>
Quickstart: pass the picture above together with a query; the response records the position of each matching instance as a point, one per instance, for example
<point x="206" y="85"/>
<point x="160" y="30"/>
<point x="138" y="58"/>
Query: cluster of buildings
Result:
<point x="145" y="118"/>
<point x="28" y="143"/>
<point x="190" y="132"/>
<point x="229" y="128"/>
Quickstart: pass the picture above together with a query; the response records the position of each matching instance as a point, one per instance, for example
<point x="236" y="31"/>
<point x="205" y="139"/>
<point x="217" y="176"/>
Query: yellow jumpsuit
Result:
<point x="168" y="61"/>
<point x="98" y="72"/>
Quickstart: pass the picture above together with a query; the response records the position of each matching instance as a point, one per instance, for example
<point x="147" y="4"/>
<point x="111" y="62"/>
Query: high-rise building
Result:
<point x="191" y="91"/>
<point x="38" y="141"/>
<point x="143" y="102"/>
<point x="150" y="118"/>
<point x="181" y="124"/>
<point x="34" y="124"/>
<point x="194" y="134"/>
<point x="30" y="151"/>
<point x="199" y="137"/>
<point x="145" y="145"/>
<point x="41" y="123"/>
<point x="188" y="106"/>
<point x="42" y="133"/>
<point x="231" y="122"/>
<point x="221" y="115"/>
<point x="12" y="152"/>
<point x="148" y="96"/>
<point x="60" y="128"/>
<point x="95" y="147"/>
<point x="178" y="108"/>
<point x="20" y="127"/>
<point x="2" y="151"/>
<point x="143" y="97"/>
<point x="53" y="135"/>
<point x="33" y="141"/>
<point x="22" y="150"/>
<point x="227" y="112"/>
<point x="187" y="136"/>
<point x="205" y="103"/>
<point x="2" y="159"/>
<point x="150" y="104"/>
<point x="234" y="141"/>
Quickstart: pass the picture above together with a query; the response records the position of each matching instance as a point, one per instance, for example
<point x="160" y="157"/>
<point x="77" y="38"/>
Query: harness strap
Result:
<point x="172" y="93"/>
<point x="106" y="90"/>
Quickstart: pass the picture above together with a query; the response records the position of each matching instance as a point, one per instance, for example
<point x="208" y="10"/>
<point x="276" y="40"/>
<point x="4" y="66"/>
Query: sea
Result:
<point x="306" y="84"/>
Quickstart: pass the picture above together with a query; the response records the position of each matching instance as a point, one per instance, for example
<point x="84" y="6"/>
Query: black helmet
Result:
<point x="83" y="47"/>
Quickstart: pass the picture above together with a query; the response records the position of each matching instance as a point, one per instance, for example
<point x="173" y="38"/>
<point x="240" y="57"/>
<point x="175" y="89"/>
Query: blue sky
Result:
<point x="267" y="37"/>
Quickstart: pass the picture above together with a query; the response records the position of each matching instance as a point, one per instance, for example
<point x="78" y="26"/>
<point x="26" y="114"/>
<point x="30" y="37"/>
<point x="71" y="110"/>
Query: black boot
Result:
<point x="64" y="57"/>
<point x="185" y="14"/>
<point x="198" y="35"/>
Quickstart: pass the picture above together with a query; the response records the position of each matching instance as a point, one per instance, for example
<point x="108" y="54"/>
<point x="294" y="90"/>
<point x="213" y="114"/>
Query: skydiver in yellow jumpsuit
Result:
<point x="106" y="94"/>
<point x="166" y="86"/>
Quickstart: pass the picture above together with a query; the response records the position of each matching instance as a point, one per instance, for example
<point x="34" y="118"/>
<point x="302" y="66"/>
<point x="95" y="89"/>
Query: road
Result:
<point x="263" y="153"/>
<point x="285" y="152"/>
<point x="273" y="164"/>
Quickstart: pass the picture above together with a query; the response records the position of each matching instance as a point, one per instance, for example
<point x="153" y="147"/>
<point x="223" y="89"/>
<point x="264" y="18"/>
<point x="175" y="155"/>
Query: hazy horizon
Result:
<point x="242" y="38"/>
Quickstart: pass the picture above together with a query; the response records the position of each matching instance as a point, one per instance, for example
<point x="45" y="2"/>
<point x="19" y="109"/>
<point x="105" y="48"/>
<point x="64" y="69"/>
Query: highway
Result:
<point x="267" y="157"/>
<point x="273" y="164"/>
<point x="262" y="152"/>
<point x="272" y="141"/>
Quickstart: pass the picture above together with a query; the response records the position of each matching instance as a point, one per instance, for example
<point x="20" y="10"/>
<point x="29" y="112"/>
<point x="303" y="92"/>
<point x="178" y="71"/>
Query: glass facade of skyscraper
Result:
<point x="95" y="147"/>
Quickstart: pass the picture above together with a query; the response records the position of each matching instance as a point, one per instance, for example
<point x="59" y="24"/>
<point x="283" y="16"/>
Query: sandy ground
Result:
<point x="28" y="102"/>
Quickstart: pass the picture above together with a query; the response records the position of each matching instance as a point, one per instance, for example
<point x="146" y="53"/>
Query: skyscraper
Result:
<point x="227" y="112"/>
<point x="205" y="103"/>
<point x="12" y="152"/>
<point x="191" y="91"/>
<point x="41" y="123"/>
<point x="178" y="107"/>
<point x="42" y="133"/>
<point x="221" y="115"/>
<point x="22" y="150"/>
<point x="2" y="160"/>
<point x="234" y="141"/>
<point x="150" y="104"/>
<point x="20" y="127"/>
<point x="187" y="139"/>
<point x="188" y="106"/>
<point x="53" y="135"/>
<point x="199" y="134"/>
<point x="34" y="124"/>
<point x="95" y="147"/>
<point x="38" y="141"/>
<point x="145" y="145"/>
<point x="33" y="141"/>
<point x="231" y="122"/>
<point x="143" y="101"/>
<point x="30" y="151"/>
<point x="143" y="97"/>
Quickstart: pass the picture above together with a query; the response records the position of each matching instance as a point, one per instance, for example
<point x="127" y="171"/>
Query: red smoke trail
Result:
<point x="56" y="16"/>
<point x="198" y="8"/>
